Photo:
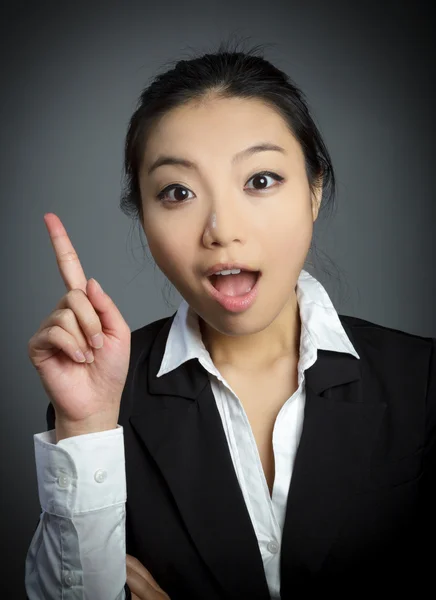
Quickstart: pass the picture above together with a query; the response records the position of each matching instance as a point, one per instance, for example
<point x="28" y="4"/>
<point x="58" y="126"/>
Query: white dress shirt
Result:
<point x="78" y="549"/>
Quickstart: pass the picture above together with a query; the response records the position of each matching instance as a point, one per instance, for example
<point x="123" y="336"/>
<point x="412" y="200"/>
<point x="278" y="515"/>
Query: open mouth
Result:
<point x="235" y="285"/>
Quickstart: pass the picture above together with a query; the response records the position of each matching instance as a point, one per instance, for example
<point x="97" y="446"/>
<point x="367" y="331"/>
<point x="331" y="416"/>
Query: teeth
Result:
<point x="230" y="271"/>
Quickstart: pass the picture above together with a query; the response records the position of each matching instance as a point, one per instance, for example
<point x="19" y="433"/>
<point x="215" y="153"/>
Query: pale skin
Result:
<point x="141" y="583"/>
<point x="222" y="217"/>
<point x="225" y="219"/>
<point x="86" y="395"/>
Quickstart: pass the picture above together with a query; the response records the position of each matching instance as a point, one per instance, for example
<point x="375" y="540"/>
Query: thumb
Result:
<point x="111" y="319"/>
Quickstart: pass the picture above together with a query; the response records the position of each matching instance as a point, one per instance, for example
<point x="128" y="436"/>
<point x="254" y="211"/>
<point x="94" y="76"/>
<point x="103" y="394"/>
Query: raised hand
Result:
<point x="86" y="395"/>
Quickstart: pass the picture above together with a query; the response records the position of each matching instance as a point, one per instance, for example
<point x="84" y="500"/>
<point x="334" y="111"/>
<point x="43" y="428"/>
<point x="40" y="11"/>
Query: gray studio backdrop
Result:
<point x="70" y="77"/>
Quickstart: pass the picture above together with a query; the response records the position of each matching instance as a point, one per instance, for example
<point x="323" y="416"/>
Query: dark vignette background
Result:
<point x="71" y="74"/>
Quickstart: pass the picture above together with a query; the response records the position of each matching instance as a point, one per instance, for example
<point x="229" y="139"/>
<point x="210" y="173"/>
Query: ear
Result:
<point x="316" y="198"/>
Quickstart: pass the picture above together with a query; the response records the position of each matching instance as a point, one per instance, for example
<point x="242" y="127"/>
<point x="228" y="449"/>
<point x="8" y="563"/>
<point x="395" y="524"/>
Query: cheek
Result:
<point x="291" y="234"/>
<point x="172" y="253"/>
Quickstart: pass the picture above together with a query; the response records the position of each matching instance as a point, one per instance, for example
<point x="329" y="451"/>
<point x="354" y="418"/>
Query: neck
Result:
<point x="259" y="350"/>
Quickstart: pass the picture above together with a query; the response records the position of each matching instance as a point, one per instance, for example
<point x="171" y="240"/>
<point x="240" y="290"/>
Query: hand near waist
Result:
<point x="141" y="582"/>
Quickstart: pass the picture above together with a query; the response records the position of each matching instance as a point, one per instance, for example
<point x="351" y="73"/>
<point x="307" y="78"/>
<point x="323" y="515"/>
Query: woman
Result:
<point x="254" y="444"/>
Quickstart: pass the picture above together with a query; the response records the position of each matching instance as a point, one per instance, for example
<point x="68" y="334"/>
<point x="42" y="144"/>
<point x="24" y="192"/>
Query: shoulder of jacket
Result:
<point x="145" y="335"/>
<point x="363" y="329"/>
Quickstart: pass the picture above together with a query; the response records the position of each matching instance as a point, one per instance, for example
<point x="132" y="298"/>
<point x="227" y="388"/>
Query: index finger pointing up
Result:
<point x="66" y="257"/>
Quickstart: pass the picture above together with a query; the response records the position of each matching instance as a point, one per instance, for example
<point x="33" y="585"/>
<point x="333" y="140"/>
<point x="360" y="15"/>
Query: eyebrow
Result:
<point x="174" y="160"/>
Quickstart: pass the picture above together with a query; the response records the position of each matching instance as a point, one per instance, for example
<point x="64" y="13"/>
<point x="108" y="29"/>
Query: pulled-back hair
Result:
<point x="227" y="73"/>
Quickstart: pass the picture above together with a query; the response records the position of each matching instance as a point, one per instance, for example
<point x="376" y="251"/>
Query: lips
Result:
<point x="230" y="299"/>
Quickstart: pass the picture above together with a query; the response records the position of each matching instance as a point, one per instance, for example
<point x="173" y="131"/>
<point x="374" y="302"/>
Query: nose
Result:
<point x="222" y="229"/>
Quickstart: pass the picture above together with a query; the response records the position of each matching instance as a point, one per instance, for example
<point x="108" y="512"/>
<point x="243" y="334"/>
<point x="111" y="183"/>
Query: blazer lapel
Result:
<point x="183" y="432"/>
<point x="179" y="422"/>
<point x="333" y="458"/>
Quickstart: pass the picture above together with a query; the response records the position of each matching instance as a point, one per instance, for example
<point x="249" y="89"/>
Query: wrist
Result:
<point x="67" y="429"/>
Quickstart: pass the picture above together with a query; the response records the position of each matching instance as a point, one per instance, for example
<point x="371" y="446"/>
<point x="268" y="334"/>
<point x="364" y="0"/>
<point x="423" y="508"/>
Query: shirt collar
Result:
<point x="321" y="329"/>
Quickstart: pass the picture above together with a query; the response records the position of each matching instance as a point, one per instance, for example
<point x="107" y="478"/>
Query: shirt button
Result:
<point x="273" y="547"/>
<point x="100" y="476"/>
<point x="63" y="481"/>
<point x="69" y="579"/>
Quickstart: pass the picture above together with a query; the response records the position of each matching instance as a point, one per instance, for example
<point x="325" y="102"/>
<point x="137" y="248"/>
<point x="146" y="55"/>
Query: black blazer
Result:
<point x="362" y="499"/>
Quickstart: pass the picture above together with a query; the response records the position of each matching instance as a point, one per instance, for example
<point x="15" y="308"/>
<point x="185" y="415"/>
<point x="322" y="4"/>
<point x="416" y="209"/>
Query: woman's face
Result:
<point x="221" y="211"/>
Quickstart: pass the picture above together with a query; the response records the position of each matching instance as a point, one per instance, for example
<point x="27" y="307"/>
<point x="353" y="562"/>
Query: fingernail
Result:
<point x="80" y="356"/>
<point x="97" y="340"/>
<point x="98" y="285"/>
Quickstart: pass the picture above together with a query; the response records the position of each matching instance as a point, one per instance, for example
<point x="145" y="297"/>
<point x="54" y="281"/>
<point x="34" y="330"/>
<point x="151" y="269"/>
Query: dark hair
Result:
<point x="226" y="73"/>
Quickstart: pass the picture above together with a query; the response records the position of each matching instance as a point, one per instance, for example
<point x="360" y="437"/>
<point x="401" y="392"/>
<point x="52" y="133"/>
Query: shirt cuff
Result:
<point x="80" y="473"/>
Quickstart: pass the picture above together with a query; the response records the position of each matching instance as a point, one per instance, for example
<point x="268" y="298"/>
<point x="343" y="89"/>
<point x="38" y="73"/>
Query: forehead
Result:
<point x="218" y="126"/>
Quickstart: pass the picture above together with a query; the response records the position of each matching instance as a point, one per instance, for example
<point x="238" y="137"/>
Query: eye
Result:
<point x="262" y="177"/>
<point x="180" y="196"/>
<point x="162" y="196"/>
